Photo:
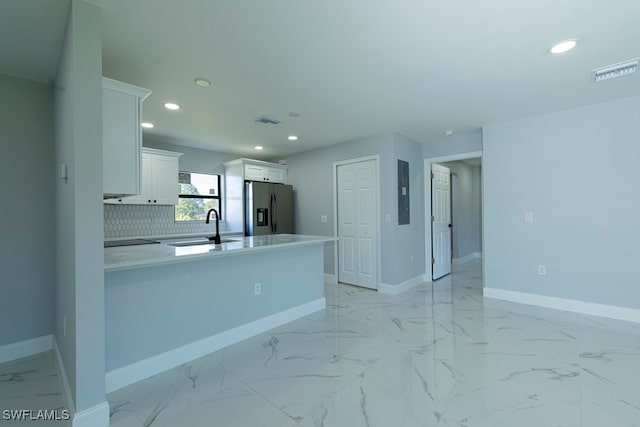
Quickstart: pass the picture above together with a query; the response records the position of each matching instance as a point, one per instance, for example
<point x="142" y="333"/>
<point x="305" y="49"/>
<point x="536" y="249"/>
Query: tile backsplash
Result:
<point x="122" y="221"/>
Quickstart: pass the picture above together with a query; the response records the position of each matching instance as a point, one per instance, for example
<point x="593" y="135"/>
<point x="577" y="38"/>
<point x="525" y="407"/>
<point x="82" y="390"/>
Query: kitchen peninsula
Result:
<point x="169" y="303"/>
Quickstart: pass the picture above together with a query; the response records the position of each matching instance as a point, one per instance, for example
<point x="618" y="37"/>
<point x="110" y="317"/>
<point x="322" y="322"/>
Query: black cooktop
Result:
<point x="132" y="242"/>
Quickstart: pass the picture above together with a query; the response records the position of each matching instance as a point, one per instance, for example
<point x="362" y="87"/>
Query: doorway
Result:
<point x="357" y="223"/>
<point x="439" y="239"/>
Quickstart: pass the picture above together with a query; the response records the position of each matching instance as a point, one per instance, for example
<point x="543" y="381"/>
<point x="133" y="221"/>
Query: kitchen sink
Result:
<point x="199" y="242"/>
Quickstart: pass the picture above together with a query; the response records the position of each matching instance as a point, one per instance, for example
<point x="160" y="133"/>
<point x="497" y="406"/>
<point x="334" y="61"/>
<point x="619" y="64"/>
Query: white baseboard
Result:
<point x="146" y="368"/>
<point x="25" y="348"/>
<point x="467" y="258"/>
<point x="385" y="288"/>
<point x="97" y="416"/>
<point x="330" y="278"/>
<point x="576" y="306"/>
<point x="64" y="380"/>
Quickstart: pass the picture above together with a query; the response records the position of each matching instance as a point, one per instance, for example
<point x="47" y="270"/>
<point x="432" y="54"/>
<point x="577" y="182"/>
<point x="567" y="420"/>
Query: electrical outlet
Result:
<point x="542" y="270"/>
<point x="64" y="326"/>
<point x="528" y="217"/>
<point x="257" y="289"/>
<point x="412" y="258"/>
<point x="323" y="219"/>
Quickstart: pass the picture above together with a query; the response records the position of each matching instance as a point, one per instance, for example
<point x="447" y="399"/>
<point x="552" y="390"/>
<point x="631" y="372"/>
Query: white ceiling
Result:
<point x="31" y="34"/>
<point x="350" y="68"/>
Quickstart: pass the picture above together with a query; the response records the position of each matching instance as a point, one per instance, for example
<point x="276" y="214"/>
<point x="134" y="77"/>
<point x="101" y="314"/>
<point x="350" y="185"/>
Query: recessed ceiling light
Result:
<point x="448" y="132"/>
<point x="202" y="82"/>
<point x="293" y="138"/>
<point x="563" y="46"/>
<point x="171" y="106"/>
<point x="294" y="114"/>
<point x="147" y="125"/>
<point x="258" y="147"/>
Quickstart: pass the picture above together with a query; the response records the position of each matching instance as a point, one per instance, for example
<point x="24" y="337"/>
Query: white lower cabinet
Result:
<point x="159" y="180"/>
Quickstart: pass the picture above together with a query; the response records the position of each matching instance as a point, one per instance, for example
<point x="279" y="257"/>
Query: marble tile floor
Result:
<point x="438" y="355"/>
<point x="31" y="384"/>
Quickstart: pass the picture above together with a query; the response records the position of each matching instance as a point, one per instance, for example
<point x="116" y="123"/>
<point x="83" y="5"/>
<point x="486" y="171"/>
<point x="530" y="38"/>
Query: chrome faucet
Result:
<point x="216" y="238"/>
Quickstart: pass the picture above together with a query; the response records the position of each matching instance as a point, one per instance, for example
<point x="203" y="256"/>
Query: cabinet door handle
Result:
<point x="149" y="201"/>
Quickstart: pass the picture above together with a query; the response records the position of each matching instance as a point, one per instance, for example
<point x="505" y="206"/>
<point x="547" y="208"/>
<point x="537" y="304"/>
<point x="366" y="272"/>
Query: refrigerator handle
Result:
<point x="271" y="212"/>
<point x="275" y="213"/>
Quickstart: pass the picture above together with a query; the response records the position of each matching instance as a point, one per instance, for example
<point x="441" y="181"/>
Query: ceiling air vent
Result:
<point x="617" y="70"/>
<point x="266" y="121"/>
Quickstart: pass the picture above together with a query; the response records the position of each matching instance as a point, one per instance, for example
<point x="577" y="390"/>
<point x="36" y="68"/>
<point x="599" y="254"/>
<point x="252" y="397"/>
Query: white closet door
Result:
<point x="357" y="224"/>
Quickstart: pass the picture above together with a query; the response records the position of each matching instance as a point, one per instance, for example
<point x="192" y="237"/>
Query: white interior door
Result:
<point x="441" y="220"/>
<point x="357" y="224"/>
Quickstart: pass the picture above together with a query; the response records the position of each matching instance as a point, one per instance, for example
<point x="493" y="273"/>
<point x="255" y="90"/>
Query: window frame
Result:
<point x="200" y="196"/>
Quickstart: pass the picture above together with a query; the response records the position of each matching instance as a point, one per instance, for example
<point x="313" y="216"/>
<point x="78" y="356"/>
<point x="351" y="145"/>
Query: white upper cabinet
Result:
<point x="255" y="170"/>
<point x="121" y="137"/>
<point x="276" y="174"/>
<point x="159" y="180"/>
<point x="165" y="187"/>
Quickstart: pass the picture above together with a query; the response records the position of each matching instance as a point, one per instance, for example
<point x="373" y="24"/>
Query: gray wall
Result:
<point x="79" y="221"/>
<point x="154" y="310"/>
<point x="407" y="256"/>
<point x="456" y="144"/>
<point x="194" y="159"/>
<point x="577" y="171"/>
<point x="311" y="174"/>
<point x="26" y="179"/>
<point x="466" y="201"/>
<point x="477" y="202"/>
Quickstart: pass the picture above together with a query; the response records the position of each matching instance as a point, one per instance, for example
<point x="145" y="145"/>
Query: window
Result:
<point x="199" y="192"/>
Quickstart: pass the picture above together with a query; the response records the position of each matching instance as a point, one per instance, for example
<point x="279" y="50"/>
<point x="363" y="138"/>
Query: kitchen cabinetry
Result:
<point x="121" y="137"/>
<point x="236" y="173"/>
<point x="256" y="170"/>
<point x="262" y="172"/>
<point x="159" y="179"/>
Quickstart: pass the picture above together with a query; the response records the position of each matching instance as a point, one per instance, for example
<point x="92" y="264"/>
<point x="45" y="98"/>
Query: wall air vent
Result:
<point x="617" y="70"/>
<point x="266" y="121"/>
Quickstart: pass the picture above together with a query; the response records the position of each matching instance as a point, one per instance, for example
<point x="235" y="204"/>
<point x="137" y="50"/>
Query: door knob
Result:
<point x="450" y="225"/>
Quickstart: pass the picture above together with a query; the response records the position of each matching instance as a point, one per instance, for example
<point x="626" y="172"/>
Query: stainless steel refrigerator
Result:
<point x="268" y="208"/>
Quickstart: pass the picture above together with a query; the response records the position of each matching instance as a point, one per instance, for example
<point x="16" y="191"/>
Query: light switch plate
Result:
<point x="323" y="219"/>
<point x="528" y="217"/>
<point x="387" y="218"/>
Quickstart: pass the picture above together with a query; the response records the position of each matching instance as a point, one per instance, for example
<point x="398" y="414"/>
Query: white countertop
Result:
<point x="127" y="257"/>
